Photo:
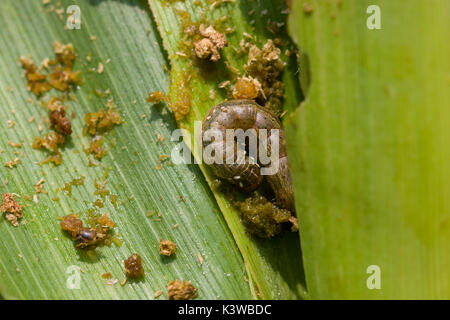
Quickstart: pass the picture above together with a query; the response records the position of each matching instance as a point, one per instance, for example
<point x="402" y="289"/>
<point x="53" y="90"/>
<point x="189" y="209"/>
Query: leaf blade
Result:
<point x="275" y="265"/>
<point x="136" y="68"/>
<point x="369" y="140"/>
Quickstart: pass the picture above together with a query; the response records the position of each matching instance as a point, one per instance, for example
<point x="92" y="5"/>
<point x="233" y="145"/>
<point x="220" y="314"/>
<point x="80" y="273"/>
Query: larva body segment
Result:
<point x="247" y="114"/>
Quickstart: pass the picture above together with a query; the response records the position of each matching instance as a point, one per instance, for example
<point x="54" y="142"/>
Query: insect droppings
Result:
<point x="133" y="266"/>
<point x="181" y="290"/>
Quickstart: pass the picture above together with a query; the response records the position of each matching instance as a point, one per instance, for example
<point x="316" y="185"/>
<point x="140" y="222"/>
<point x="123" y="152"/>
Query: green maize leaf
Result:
<point x="275" y="265"/>
<point x="371" y="148"/>
<point x="34" y="257"/>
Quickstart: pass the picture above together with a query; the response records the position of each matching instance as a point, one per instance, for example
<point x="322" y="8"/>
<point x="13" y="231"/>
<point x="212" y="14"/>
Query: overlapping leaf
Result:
<point x="370" y="143"/>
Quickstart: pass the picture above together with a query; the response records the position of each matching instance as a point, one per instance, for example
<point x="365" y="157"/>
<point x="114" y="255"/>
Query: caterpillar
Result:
<point x="247" y="114"/>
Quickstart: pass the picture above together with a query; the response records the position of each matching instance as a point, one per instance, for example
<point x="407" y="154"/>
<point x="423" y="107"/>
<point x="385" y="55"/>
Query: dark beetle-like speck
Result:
<point x="87" y="234"/>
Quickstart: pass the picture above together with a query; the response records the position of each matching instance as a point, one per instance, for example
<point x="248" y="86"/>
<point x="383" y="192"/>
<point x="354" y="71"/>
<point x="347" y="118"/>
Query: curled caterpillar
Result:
<point x="246" y="173"/>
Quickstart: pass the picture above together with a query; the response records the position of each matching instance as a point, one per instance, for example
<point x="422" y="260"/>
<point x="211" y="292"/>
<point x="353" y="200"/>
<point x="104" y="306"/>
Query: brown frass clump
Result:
<point x="97" y="124"/>
<point x="101" y="190"/>
<point x="64" y="53"/>
<point x="262" y="218"/>
<point x="59" y="74"/>
<point x="58" y="118"/>
<point x="264" y="67"/>
<point x="246" y="88"/>
<point x="181" y="290"/>
<point x="75" y="182"/>
<point x="88" y="237"/>
<point x="157" y="97"/>
<point x="62" y="77"/>
<point x="36" y="81"/>
<point x="105" y="221"/>
<point x="12" y="208"/>
<point x="167" y="248"/>
<point x="101" y="121"/>
<point x="12" y="163"/>
<point x="133" y="266"/>
<point x="72" y="224"/>
<point x="209" y="46"/>
<point x="60" y="122"/>
<point x="51" y="143"/>
<point x="96" y="147"/>
<point x="200" y="43"/>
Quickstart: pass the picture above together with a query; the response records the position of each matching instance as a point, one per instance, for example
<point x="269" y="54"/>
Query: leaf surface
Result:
<point x="275" y="265"/>
<point x="371" y="148"/>
<point x="35" y="256"/>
